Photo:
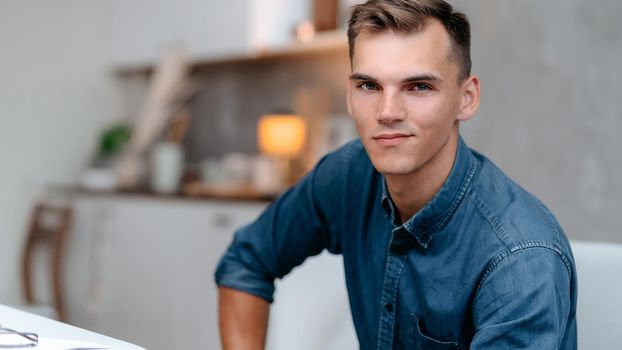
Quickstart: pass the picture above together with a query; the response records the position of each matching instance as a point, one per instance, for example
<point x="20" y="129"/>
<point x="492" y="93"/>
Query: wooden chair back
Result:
<point x="48" y="227"/>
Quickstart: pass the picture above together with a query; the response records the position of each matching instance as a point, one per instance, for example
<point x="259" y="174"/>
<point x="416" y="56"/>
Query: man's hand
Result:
<point x="243" y="320"/>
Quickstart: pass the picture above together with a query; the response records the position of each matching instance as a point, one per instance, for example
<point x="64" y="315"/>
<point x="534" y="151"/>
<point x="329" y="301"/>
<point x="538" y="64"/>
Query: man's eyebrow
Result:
<point x="359" y="76"/>
<point x="412" y="79"/>
<point x="423" y="77"/>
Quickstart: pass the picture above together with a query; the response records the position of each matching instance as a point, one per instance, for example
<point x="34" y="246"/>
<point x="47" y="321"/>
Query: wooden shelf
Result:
<point x="242" y="193"/>
<point x="323" y="42"/>
<point x="191" y="193"/>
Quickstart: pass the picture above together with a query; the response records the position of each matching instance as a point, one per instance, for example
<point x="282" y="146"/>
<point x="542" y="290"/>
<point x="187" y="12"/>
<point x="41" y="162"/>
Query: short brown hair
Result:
<point x="411" y="16"/>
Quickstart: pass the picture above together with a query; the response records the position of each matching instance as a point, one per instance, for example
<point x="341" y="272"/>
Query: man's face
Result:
<point x="405" y="97"/>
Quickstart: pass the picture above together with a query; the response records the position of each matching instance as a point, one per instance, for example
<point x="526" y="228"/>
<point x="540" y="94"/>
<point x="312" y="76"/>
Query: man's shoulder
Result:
<point x="347" y="169"/>
<point x="343" y="182"/>
<point x="347" y="158"/>
<point x="514" y="214"/>
<point x="352" y="149"/>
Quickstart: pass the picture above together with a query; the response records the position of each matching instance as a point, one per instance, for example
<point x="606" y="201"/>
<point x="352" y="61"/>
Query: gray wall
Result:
<point x="234" y="96"/>
<point x="550" y="114"/>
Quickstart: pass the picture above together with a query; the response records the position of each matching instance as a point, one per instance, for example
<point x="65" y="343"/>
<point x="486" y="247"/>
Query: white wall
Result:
<point x="55" y="95"/>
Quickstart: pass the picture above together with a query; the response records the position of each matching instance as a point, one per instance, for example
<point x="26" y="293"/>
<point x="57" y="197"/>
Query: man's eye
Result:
<point x="368" y="86"/>
<point x="420" y="87"/>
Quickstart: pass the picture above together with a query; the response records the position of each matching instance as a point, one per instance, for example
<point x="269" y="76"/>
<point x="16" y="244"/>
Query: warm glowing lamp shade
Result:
<point x="281" y="135"/>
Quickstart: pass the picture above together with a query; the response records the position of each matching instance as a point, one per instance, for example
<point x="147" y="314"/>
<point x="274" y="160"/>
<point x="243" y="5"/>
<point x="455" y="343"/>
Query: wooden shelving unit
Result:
<point x="322" y="42"/>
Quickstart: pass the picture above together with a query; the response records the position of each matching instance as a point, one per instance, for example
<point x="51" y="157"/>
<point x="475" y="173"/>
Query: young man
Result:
<point x="441" y="250"/>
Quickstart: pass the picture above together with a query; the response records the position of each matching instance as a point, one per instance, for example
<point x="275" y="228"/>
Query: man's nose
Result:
<point x="391" y="108"/>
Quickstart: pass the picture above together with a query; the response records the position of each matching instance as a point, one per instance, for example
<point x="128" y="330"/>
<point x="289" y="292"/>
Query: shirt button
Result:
<point x="389" y="307"/>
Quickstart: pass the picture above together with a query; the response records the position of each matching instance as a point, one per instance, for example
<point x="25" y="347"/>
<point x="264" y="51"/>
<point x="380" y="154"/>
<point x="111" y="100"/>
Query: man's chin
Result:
<point x="394" y="169"/>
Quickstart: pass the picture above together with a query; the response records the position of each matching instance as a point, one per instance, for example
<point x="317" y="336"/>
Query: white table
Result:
<point x="45" y="327"/>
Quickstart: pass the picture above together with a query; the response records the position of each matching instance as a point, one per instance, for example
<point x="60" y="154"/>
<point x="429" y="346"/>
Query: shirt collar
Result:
<point x="437" y="212"/>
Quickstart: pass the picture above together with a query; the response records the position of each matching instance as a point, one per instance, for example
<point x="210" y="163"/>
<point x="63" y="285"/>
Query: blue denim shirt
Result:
<point x="483" y="265"/>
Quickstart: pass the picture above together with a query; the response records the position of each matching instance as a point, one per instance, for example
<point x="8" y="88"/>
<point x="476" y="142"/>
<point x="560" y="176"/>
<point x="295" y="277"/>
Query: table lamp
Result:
<point x="282" y="137"/>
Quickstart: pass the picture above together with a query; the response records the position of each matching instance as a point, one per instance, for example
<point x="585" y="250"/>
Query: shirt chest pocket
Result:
<point x="421" y="341"/>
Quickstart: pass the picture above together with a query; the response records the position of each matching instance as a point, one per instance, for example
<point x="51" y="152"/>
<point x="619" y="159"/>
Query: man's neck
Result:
<point x="413" y="191"/>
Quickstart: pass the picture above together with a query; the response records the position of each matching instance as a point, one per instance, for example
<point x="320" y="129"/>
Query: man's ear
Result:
<point x="470" y="98"/>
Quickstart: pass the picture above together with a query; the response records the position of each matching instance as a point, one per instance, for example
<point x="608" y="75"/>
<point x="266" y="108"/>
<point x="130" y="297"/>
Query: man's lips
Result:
<point x="391" y="139"/>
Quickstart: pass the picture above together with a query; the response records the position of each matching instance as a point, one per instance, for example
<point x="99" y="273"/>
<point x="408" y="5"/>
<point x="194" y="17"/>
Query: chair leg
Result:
<point x="27" y="257"/>
<point x="57" y="265"/>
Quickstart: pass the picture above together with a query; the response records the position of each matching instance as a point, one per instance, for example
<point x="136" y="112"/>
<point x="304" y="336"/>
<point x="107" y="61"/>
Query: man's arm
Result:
<point x="300" y="223"/>
<point x="526" y="302"/>
<point x="243" y="320"/>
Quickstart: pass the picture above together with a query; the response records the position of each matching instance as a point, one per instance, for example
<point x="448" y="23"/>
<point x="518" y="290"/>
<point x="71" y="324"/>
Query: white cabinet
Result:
<point x="141" y="29"/>
<point x="141" y="269"/>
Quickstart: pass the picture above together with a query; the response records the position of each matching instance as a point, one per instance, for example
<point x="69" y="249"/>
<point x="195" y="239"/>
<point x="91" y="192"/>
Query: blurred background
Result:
<point x="164" y="125"/>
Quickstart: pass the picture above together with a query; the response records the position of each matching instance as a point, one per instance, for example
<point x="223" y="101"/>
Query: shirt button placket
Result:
<point x="395" y="266"/>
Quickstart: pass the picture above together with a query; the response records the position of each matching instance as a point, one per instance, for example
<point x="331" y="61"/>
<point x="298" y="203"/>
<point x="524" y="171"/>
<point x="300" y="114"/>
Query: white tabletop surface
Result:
<point x="45" y="327"/>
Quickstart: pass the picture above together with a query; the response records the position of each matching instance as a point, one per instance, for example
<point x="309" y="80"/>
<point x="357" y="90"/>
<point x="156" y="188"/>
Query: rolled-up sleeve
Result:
<point x="300" y="223"/>
<point x="525" y="301"/>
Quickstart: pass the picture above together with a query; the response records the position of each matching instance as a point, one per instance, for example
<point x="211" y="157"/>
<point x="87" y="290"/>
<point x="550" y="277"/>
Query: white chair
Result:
<point x="311" y="309"/>
<point x="599" y="305"/>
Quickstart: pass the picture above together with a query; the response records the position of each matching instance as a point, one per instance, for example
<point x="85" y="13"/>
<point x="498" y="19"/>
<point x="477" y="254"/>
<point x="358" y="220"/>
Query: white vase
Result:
<point x="167" y="167"/>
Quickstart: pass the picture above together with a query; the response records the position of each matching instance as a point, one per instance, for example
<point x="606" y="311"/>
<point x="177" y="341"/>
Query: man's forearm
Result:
<point x="243" y="320"/>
